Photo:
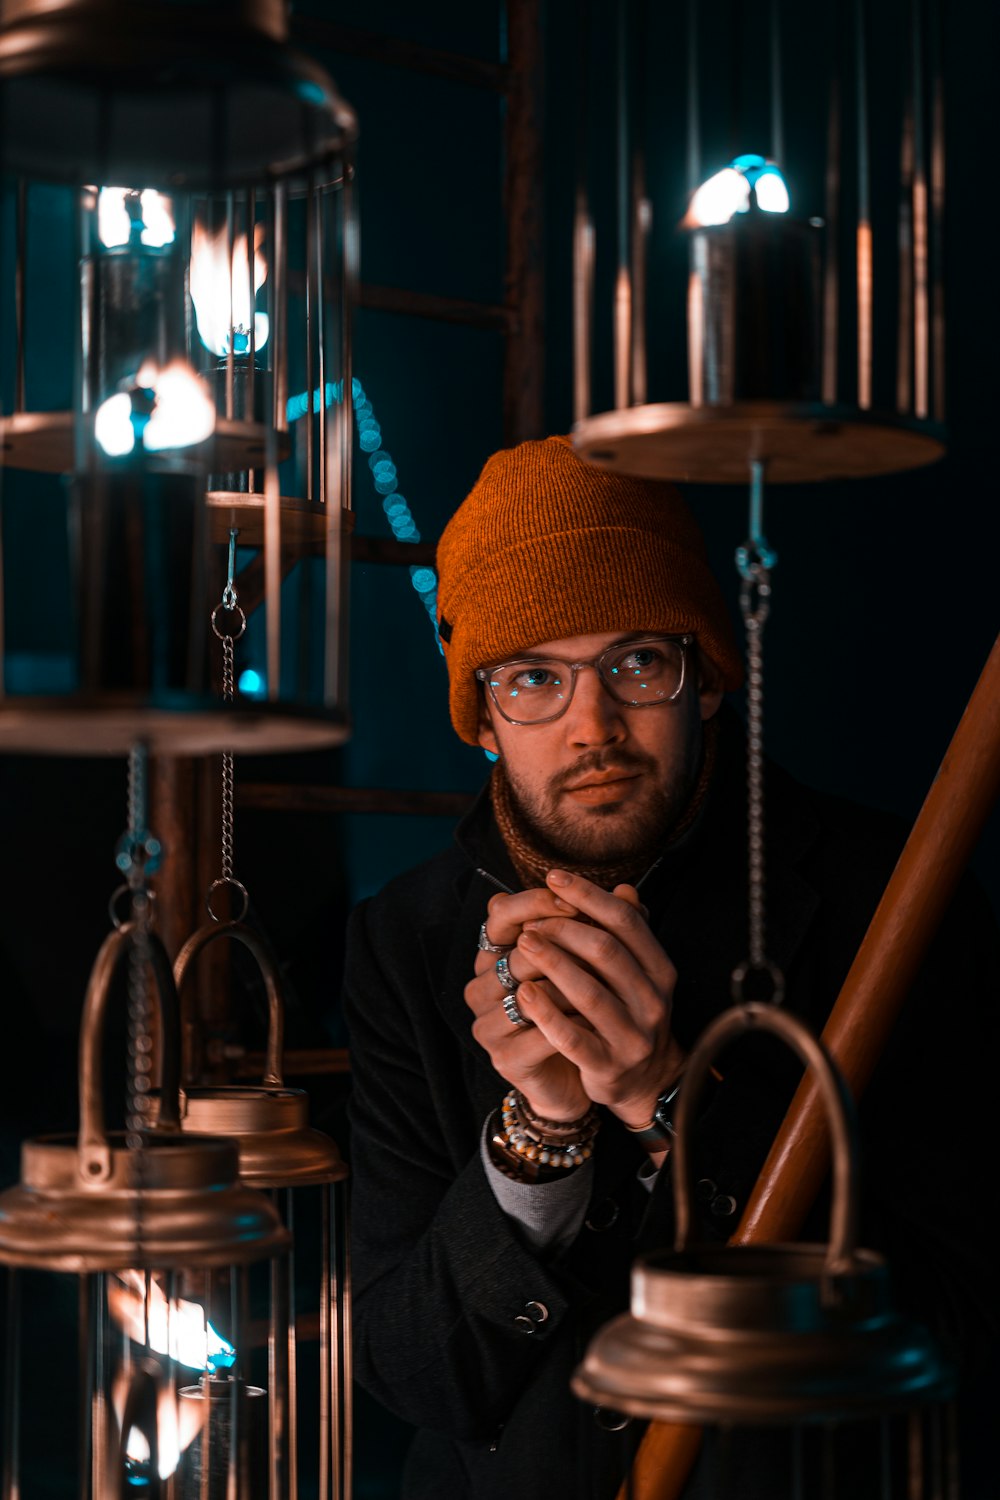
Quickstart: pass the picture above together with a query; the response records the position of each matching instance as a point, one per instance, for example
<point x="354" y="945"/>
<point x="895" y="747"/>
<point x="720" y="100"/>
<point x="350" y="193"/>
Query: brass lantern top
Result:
<point x="93" y="1203"/>
<point x="762" y="1334"/>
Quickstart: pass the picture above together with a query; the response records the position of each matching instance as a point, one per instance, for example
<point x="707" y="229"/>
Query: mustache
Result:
<point x="627" y="761"/>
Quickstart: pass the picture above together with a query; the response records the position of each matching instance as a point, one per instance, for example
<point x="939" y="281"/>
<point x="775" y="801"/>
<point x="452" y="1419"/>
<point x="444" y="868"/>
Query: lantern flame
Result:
<point x="121" y="211"/>
<point x="221" y="294"/>
<point x="180" y="1329"/>
<point x="166" y="408"/>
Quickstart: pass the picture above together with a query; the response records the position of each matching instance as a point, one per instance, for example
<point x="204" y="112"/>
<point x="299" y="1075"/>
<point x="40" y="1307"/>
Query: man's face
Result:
<point x="604" y="780"/>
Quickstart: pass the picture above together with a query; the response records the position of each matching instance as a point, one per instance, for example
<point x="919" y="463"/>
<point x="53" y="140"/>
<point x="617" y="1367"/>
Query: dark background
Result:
<point x="885" y="594"/>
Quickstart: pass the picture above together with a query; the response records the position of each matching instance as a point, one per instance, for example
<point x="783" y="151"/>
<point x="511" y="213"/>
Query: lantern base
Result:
<point x="113" y="724"/>
<point x="800" y="443"/>
<point x="760" y="1335"/>
<point x="43" y="442"/>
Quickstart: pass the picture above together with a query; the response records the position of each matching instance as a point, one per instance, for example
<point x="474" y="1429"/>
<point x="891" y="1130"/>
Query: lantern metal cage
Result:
<point x="162" y="1238"/>
<point x="776" y="197"/>
<point x="305" y="1174"/>
<point x="175" y="297"/>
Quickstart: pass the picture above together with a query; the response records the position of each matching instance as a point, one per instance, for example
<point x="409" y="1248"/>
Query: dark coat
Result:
<point x="441" y="1275"/>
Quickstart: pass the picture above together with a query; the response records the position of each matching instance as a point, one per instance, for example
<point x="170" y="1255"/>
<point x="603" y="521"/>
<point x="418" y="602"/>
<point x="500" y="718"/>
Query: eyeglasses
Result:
<point x="638" y="674"/>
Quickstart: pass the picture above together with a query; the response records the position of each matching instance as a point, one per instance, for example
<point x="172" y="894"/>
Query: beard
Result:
<point x="608" y="833"/>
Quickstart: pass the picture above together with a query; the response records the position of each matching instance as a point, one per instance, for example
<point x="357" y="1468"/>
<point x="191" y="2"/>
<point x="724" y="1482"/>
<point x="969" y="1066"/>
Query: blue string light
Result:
<point x="386" y="482"/>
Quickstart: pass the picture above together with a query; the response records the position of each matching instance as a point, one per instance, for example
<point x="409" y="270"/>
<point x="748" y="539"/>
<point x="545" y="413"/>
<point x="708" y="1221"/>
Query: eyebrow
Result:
<point x="623" y="640"/>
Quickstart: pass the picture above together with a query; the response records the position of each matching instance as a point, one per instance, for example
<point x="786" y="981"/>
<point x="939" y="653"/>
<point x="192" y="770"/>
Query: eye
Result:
<point x="639" y="662"/>
<point x="535" y="677"/>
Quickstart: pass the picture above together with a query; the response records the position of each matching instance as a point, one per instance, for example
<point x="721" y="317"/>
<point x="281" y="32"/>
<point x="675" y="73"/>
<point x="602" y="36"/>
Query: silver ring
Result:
<point x="504" y="975"/>
<point x="512" y="1012"/>
<point x="485" y="946"/>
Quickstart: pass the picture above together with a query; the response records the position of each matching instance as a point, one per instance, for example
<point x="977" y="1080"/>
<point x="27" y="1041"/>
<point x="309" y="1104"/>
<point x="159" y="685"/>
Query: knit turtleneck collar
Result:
<point x="532" y="860"/>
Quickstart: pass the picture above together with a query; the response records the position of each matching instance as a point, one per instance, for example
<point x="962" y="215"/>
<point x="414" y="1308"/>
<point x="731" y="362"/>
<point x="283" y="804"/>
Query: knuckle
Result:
<point x="606" y="948"/>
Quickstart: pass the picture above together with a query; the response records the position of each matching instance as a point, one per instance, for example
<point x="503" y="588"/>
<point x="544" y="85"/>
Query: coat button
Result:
<point x="723" y="1205"/>
<point x="705" y="1190"/>
<point x="534" y="1315"/>
<point x="602" y="1215"/>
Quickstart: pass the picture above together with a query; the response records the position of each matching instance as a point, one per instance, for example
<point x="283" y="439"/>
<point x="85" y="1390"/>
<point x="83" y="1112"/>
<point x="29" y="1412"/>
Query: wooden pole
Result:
<point x="921" y="886"/>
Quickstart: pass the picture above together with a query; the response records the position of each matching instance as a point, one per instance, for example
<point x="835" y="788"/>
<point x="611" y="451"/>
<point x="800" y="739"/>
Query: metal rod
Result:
<point x="317" y="251"/>
<point x="921" y="307"/>
<point x="693" y="131"/>
<point x="250" y="405"/>
<point x="10" y="1483"/>
<point x="279" y="299"/>
<point x="641" y="212"/>
<point x="293" y="1383"/>
<point x="326" y="1417"/>
<point x="623" y="278"/>
<point x="777" y="115"/>
<point x="864" y="228"/>
<point x="904" y="324"/>
<point x="21" y="291"/>
<point x="311" y="293"/>
<point x="346" y="1342"/>
<point x="937" y="212"/>
<point x="230" y="271"/>
<point x="583" y="229"/>
<point x="831" y="272"/>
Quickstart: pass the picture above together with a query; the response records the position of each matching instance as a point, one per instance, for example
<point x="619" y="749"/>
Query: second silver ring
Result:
<point x="504" y="975"/>
<point x="512" y="1011"/>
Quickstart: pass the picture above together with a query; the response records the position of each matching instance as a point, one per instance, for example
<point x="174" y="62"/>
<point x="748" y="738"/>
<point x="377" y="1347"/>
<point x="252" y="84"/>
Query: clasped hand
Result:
<point x="597" y="986"/>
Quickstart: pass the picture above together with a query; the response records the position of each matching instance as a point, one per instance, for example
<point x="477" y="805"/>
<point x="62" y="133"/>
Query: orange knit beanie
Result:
<point x="546" y="546"/>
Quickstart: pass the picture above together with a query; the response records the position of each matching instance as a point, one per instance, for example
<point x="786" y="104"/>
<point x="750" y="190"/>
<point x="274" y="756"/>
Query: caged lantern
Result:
<point x="178" y="270"/>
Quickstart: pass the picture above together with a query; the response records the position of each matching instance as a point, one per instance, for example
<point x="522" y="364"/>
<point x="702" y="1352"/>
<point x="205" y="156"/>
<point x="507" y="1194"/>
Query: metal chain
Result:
<point x="754" y="560"/>
<point x="137" y="857"/>
<point x="228" y="622"/>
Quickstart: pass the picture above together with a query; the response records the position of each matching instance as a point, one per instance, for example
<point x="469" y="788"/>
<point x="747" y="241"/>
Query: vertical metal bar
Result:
<point x="279" y="334"/>
<point x="237" y="1382"/>
<point x="10" y="1483"/>
<point x="921" y="308"/>
<point x="206" y="1396"/>
<point x="171" y="1291"/>
<point x="914" y="1457"/>
<point x="864" y="228"/>
<point x="523" y="197"/>
<point x="937" y="212"/>
<point x="885" y="1459"/>
<point x="310" y="386"/>
<point x="249" y="403"/>
<point x="85" y="1373"/>
<point x="777" y="112"/>
<point x="641" y="212"/>
<point x="345" y="1344"/>
<point x="338" y="504"/>
<point x="695" y="309"/>
<point x="583" y="228"/>
<point x="326" y="1311"/>
<point x="623" y="277"/>
<point x="831" y="272"/>
<point x="21" y="291"/>
<point x="230" y="278"/>
<point x="317" y="256"/>
<point x="278" y="1389"/>
<point x="98" y="1388"/>
<point x="293" y="1380"/>
<point x="272" y="566"/>
<point x="904" y="326"/>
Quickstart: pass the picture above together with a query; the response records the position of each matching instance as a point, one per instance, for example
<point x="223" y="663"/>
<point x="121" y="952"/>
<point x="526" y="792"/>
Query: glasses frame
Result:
<point x="483" y="675"/>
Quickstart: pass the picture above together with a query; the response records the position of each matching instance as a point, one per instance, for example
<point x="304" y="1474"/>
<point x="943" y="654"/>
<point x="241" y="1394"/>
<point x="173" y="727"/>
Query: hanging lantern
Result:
<point x="801" y="1338"/>
<point x="782" y="368"/>
<point x="162" y="1236"/>
<point x="306" y="1175"/>
<point x="178" y="180"/>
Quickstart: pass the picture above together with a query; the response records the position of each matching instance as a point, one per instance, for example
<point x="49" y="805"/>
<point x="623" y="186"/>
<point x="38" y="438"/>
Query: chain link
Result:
<point x="138" y="853"/>
<point x="754" y="561"/>
<point x="228" y="632"/>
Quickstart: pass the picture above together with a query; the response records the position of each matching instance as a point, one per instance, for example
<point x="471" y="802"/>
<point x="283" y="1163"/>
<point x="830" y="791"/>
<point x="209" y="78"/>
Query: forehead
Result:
<point x="581" y="647"/>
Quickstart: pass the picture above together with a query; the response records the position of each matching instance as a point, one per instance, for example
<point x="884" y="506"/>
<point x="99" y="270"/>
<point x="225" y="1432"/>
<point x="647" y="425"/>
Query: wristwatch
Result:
<point x="658" y="1135"/>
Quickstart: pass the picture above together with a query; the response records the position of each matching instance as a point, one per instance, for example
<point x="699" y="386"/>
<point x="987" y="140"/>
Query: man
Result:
<point x="521" y="1007"/>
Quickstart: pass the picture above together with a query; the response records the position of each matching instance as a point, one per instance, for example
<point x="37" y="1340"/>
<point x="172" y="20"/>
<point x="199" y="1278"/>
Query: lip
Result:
<point x="609" y="787"/>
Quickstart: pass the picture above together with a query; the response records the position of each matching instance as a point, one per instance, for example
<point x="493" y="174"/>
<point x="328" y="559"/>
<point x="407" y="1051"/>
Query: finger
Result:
<point x="565" y="1032"/>
<point x="485" y="991"/>
<point x="622" y="918"/>
<point x="506" y="915"/>
<point x="578" y="953"/>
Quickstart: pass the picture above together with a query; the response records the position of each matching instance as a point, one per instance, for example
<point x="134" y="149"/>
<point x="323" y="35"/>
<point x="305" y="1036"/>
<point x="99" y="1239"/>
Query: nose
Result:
<point x="594" y="717"/>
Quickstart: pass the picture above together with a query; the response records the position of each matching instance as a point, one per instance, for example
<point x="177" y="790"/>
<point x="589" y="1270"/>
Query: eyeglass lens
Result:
<point x="634" y="673"/>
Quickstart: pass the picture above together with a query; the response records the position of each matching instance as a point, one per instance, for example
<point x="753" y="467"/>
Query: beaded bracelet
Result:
<point x="522" y="1139"/>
